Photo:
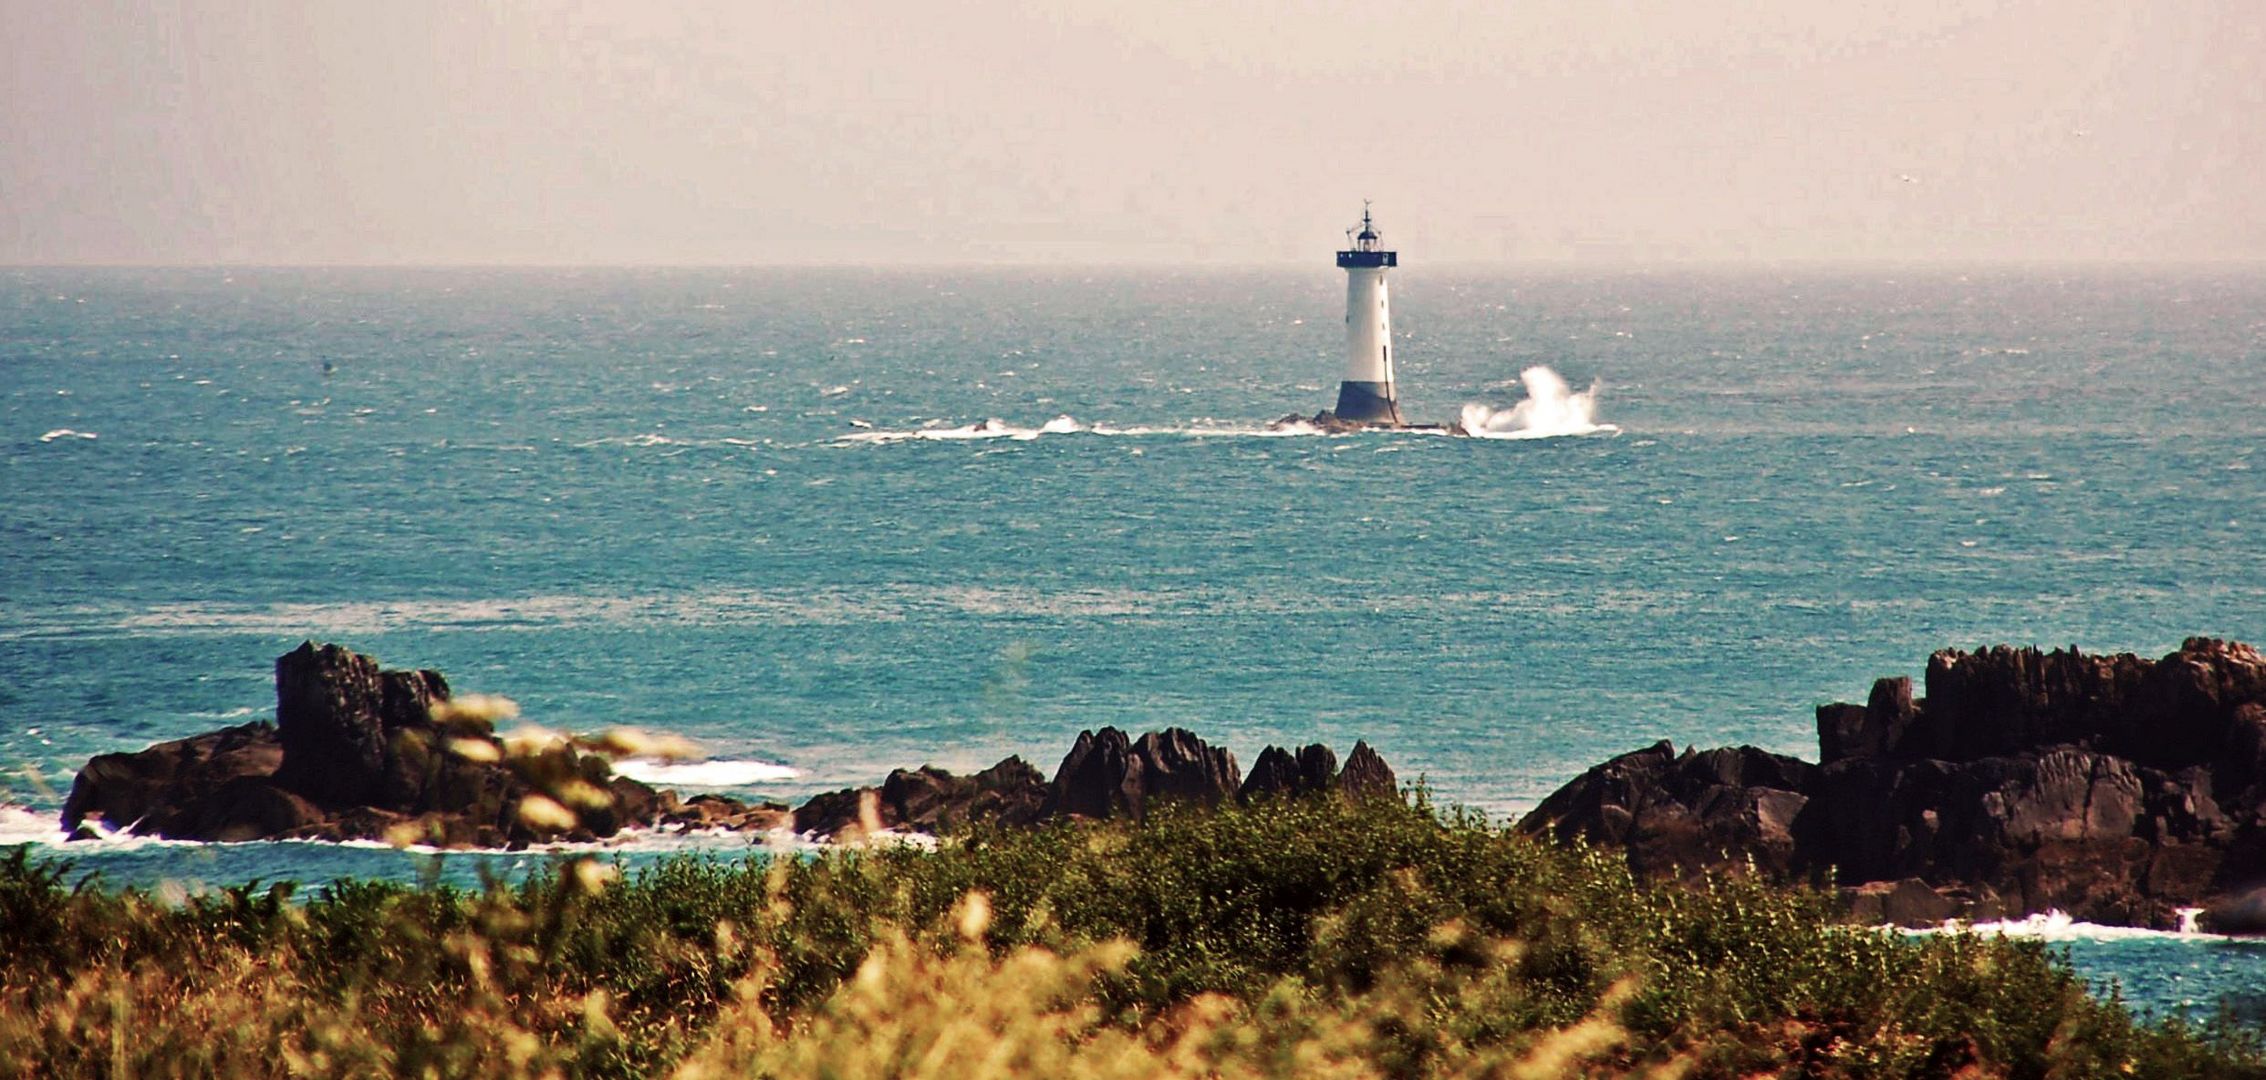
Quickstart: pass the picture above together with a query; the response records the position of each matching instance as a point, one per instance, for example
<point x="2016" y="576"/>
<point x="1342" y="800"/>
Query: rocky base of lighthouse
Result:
<point x="1330" y="423"/>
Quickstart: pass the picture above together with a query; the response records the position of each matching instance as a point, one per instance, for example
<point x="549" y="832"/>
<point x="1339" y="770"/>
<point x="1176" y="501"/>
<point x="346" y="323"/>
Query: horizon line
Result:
<point x="1458" y="264"/>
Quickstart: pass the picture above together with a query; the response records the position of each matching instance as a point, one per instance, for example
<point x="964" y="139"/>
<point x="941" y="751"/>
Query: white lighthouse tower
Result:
<point x="1367" y="395"/>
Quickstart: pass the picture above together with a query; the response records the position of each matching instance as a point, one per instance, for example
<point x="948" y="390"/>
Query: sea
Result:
<point x="828" y="522"/>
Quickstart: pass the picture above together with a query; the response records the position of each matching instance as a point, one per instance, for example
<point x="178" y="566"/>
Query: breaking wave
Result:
<point x="704" y="774"/>
<point x="2057" y="926"/>
<point x="24" y="825"/>
<point x="1551" y="409"/>
<point x="65" y="433"/>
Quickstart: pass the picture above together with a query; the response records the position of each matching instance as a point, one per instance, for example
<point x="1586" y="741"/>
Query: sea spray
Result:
<point x="1552" y="408"/>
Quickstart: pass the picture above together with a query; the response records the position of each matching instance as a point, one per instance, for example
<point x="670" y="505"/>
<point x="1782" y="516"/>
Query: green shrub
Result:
<point x="1295" y="938"/>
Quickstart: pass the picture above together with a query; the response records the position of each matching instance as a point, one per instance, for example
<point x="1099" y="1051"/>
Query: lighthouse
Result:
<point x="1367" y="395"/>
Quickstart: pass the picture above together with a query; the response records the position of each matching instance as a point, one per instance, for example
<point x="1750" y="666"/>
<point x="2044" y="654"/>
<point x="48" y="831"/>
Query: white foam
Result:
<point x="66" y="433"/>
<point x="2059" y="926"/>
<point x="993" y="428"/>
<point x="646" y="439"/>
<point x="706" y="774"/>
<point x="24" y="825"/>
<point x="1552" y="409"/>
<point x="238" y="713"/>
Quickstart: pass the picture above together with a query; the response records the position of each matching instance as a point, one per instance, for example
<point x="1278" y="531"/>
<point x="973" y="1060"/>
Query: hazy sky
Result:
<point x="834" y="131"/>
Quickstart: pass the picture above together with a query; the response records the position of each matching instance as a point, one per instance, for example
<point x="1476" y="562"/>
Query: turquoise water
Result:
<point x="629" y="497"/>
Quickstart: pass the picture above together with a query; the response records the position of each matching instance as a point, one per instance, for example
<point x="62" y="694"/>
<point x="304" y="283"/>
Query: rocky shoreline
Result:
<point x="357" y="752"/>
<point x="2117" y="789"/>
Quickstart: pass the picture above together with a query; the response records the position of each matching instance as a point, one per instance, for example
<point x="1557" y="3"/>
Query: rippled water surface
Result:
<point x="673" y="499"/>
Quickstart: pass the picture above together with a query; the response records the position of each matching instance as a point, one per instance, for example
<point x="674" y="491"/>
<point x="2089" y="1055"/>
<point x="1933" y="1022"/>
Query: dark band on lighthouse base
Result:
<point x="1367" y="403"/>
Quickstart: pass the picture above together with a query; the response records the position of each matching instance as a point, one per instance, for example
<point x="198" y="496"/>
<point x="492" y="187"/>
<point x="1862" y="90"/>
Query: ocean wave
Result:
<point x="1552" y="409"/>
<point x="704" y="774"/>
<point x="645" y="439"/>
<point x="21" y="825"/>
<point x="240" y="712"/>
<point x="2059" y="926"/>
<point x="24" y="825"/>
<point x="66" y="433"/>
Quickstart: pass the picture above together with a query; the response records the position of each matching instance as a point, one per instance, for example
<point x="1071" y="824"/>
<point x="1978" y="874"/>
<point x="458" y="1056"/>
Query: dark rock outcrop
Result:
<point x="358" y="752"/>
<point x="150" y="790"/>
<point x="1661" y="806"/>
<point x="1313" y="770"/>
<point x="932" y="800"/>
<point x="1279" y="773"/>
<point x="355" y="753"/>
<point x="2114" y="788"/>
<point x="1367" y="777"/>
<point x="1108" y="775"/>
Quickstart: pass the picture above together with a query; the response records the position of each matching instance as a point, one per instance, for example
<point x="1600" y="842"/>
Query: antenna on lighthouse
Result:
<point x="1367" y="395"/>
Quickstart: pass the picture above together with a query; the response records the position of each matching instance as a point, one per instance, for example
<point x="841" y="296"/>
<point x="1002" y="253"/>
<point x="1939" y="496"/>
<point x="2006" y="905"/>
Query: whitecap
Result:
<point x="704" y="774"/>
<point x="993" y="428"/>
<point x="646" y="439"/>
<point x="65" y="433"/>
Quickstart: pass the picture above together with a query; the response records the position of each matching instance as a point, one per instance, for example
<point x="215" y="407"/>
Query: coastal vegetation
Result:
<point x="1308" y="937"/>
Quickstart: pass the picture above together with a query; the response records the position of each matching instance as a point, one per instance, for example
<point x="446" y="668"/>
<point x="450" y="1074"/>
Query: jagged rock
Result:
<point x="328" y="715"/>
<point x="1098" y="778"/>
<point x="1010" y="793"/>
<point x="358" y="753"/>
<point x="932" y="800"/>
<point x="354" y="754"/>
<point x="832" y="812"/>
<point x="1279" y="773"/>
<point x="1105" y="775"/>
<point x="1875" y="728"/>
<point x="1366" y="777"/>
<point x="1682" y="814"/>
<point x="2114" y="788"/>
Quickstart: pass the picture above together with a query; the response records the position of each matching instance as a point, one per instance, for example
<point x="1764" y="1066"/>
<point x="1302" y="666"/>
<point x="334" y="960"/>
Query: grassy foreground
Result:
<point x="1309" y="939"/>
